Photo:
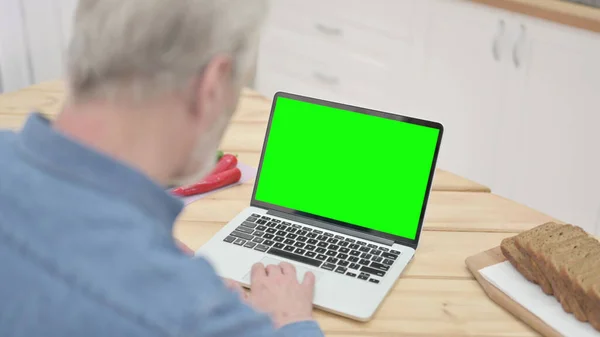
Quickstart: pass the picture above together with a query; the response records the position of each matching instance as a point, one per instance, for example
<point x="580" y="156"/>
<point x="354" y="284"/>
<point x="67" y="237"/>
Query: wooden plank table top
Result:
<point x="561" y="11"/>
<point x="436" y="296"/>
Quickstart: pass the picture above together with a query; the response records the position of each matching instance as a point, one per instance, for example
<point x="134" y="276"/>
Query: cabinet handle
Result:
<point x="518" y="47"/>
<point x="331" y="31"/>
<point x="329" y="80"/>
<point x="496" y="44"/>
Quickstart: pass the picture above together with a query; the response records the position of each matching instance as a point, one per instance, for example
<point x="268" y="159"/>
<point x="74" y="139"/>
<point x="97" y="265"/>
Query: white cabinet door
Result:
<point x="464" y="83"/>
<point x="551" y="138"/>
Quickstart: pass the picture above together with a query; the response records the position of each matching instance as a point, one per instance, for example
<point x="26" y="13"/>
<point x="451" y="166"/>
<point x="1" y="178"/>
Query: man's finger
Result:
<point x="273" y="270"/>
<point x="288" y="268"/>
<point x="236" y="287"/>
<point x="309" y="280"/>
<point x="257" y="272"/>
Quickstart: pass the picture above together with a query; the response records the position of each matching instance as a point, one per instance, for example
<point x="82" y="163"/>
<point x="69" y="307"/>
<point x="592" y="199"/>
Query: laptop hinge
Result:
<point x="331" y="227"/>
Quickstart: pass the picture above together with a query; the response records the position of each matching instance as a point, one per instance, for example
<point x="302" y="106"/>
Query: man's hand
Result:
<point x="276" y="291"/>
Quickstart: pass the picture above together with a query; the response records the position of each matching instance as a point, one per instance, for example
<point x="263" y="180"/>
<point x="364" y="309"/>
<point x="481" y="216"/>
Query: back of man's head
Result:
<point x="144" y="48"/>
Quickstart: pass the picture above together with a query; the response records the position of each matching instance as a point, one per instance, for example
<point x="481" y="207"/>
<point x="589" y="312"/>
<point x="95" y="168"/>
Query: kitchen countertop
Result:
<point x="436" y="296"/>
<point x="568" y="13"/>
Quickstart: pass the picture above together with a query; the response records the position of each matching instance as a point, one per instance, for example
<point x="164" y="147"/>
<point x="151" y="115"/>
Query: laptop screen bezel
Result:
<point x="351" y="108"/>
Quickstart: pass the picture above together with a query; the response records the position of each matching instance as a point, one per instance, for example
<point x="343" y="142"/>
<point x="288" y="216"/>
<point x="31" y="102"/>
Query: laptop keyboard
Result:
<point x="317" y="248"/>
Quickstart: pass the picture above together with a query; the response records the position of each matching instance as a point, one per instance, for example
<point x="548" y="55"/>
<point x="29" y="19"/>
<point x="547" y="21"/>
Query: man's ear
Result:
<point x="213" y="87"/>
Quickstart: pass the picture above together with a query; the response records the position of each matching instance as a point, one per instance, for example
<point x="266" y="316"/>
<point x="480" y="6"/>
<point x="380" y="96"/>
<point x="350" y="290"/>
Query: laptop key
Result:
<point x="312" y="241"/>
<point x="302" y="232"/>
<point x="278" y="239"/>
<point x="373" y="271"/>
<point x="302" y="238"/>
<point x="297" y="226"/>
<point x="363" y="276"/>
<point x="282" y="227"/>
<point x="377" y="259"/>
<point x="259" y="234"/>
<point x="310" y="247"/>
<point x="258" y="240"/>
<point x="241" y="235"/>
<point x="362" y="243"/>
<point x="344" y="243"/>
<point x="332" y="260"/>
<point x="353" y="259"/>
<point x="370" y="245"/>
<point x="350" y="240"/>
<point x="310" y="254"/>
<point x="279" y="245"/>
<point x="321" y="250"/>
<point x="374" y="251"/>
<point x="365" y="256"/>
<point x="333" y="240"/>
<point x="265" y="217"/>
<point x="384" y="249"/>
<point x="229" y="239"/>
<point x="389" y="256"/>
<point x="289" y="241"/>
<point x="364" y="249"/>
<point x="295" y="257"/>
<point x="395" y="252"/>
<point x="340" y="270"/>
<point x="261" y="228"/>
<point x="300" y="251"/>
<point x="350" y="274"/>
<point x="240" y="242"/>
<point x="355" y="253"/>
<point x="268" y="236"/>
<point x="321" y="257"/>
<point x="291" y="236"/>
<point x="344" y="250"/>
<point x="276" y="221"/>
<point x="316" y="231"/>
<point x="291" y="230"/>
<point x="271" y="224"/>
<point x="261" y="248"/>
<point x="250" y="244"/>
<point x="321" y="237"/>
<point x="374" y="281"/>
<point x="354" y="246"/>
<point x="343" y="263"/>
<point x="333" y="247"/>
<point x="245" y="230"/>
<point x="286" y="223"/>
<point x="271" y="230"/>
<point x="364" y="262"/>
<point x="255" y="215"/>
<point x="342" y="256"/>
<point x="308" y="229"/>
<point x="328" y="266"/>
<point x="331" y="253"/>
<point x="312" y="235"/>
<point x="281" y="233"/>
<point x="354" y="266"/>
<point x="268" y="243"/>
<point x="299" y="244"/>
<point x="261" y="222"/>
<point x="289" y="248"/>
<point x="322" y="244"/>
<point x="328" y="234"/>
<point x="380" y="266"/>
<point x="388" y="262"/>
<point x="339" y="237"/>
<point x="249" y="224"/>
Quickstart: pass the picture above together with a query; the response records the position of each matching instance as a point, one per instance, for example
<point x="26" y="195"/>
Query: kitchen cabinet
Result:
<point x="549" y="149"/>
<point x="464" y="83"/>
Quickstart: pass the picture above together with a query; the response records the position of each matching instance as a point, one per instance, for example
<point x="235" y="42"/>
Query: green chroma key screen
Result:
<point x="364" y="170"/>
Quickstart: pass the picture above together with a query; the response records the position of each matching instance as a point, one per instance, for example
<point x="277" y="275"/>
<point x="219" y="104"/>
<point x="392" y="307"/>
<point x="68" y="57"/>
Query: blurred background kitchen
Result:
<point x="515" y="82"/>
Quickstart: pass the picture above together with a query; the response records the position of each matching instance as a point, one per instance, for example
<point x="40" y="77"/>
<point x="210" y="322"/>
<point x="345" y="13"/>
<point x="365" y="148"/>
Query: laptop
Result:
<point x="341" y="191"/>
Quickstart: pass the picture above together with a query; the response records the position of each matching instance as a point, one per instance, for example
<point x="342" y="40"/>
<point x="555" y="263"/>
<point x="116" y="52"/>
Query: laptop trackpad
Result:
<point x="300" y="270"/>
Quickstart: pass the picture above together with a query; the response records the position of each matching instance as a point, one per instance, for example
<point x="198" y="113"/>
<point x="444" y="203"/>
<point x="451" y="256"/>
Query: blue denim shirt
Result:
<point x="86" y="249"/>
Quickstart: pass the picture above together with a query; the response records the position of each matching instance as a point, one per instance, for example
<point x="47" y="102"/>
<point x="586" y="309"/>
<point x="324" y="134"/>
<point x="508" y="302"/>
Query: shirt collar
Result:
<point x="55" y="151"/>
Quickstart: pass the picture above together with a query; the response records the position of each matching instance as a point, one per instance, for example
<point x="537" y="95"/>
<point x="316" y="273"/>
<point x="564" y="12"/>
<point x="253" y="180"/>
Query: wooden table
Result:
<point x="437" y="296"/>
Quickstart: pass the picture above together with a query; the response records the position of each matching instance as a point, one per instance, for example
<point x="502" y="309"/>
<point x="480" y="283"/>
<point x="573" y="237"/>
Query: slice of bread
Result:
<point x="536" y="234"/>
<point x="574" y="252"/>
<point x="594" y="314"/>
<point x="582" y="285"/>
<point x="570" y="272"/>
<point x="516" y="258"/>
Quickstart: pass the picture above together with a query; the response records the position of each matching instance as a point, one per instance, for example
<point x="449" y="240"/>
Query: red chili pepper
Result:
<point x="227" y="162"/>
<point x="210" y="183"/>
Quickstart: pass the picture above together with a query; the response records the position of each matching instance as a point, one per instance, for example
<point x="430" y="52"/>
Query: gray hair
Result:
<point x="144" y="48"/>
